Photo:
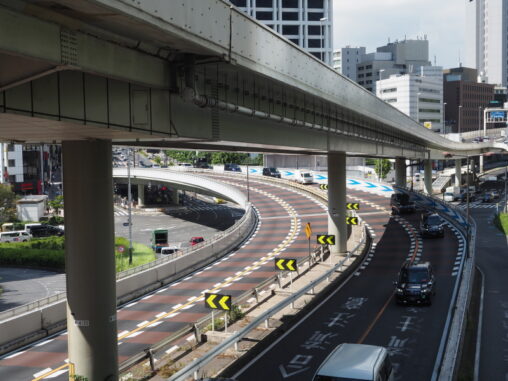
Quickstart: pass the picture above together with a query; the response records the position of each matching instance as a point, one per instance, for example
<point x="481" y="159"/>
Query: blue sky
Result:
<point x="370" y="23"/>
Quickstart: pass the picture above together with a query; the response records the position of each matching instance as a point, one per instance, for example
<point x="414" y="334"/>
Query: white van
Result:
<point x="15" y="236"/>
<point x="170" y="250"/>
<point x="356" y="362"/>
<point x="304" y="177"/>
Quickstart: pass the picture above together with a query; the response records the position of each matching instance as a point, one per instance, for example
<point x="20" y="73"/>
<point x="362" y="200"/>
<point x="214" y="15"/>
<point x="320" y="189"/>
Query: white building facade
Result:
<point x="419" y="96"/>
<point x="487" y="39"/>
<point x="307" y="23"/>
<point x="11" y="161"/>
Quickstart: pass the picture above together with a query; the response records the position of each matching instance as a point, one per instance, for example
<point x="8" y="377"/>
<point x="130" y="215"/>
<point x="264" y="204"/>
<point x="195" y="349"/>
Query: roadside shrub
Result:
<point x="42" y="258"/>
<point x="56" y="220"/>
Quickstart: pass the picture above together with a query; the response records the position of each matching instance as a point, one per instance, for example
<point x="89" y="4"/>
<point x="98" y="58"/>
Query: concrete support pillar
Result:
<point x="400" y="172"/>
<point x="175" y="196"/>
<point x="458" y="172"/>
<point x="141" y="195"/>
<point x="89" y="259"/>
<point x="337" y="201"/>
<point x="427" y="167"/>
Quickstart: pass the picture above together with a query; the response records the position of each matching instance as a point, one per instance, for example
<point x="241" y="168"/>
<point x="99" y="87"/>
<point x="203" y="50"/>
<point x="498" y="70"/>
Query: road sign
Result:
<point x="323" y="186"/>
<point x="353" y="206"/>
<point x="286" y="264"/>
<point x="121" y="249"/>
<point x="308" y="230"/>
<point x="218" y="301"/>
<point x="326" y="239"/>
<point x="352" y="220"/>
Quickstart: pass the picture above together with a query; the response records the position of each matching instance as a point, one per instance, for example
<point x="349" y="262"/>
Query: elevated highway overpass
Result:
<point x="194" y="74"/>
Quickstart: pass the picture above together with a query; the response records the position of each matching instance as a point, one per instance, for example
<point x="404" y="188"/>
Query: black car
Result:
<point x="232" y="168"/>
<point x="401" y="203"/>
<point x="431" y="225"/>
<point x="45" y="231"/>
<point x="272" y="172"/>
<point x="415" y="284"/>
<point x="463" y="196"/>
<point x="487" y="197"/>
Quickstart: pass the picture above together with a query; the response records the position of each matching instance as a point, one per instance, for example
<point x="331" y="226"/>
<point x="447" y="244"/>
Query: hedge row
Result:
<point x="41" y="258"/>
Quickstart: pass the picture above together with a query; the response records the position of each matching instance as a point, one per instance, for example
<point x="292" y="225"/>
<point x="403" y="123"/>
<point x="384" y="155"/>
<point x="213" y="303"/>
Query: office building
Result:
<point x="465" y="99"/>
<point x="395" y="58"/>
<point x="307" y="23"/>
<point x="487" y="39"/>
<point x="346" y="59"/>
<point x="419" y="95"/>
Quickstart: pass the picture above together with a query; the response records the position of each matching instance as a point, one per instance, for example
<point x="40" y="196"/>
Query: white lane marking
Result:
<point x="56" y="374"/>
<point x="172" y="349"/>
<point x="131" y="304"/>
<point x="123" y="333"/>
<point x="14" y="355"/>
<point x="135" y="334"/>
<point x="44" y="371"/>
<point x="155" y="324"/>
<point x="147" y="297"/>
<point x="142" y="323"/>
<point x="161" y="314"/>
<point x="172" y="315"/>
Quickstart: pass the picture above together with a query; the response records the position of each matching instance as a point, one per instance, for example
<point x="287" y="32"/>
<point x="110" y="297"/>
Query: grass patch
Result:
<point x="48" y="253"/>
<point x="141" y="254"/>
<point x="501" y="221"/>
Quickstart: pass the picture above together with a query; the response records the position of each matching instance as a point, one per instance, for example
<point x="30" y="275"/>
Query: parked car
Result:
<point x="401" y="203"/>
<point x="415" y="283"/>
<point x="272" y="172"/>
<point x="232" y="168"/>
<point x="195" y="240"/>
<point x="15" y="236"/>
<point x="463" y="196"/>
<point x="487" y="197"/>
<point x="170" y="250"/>
<point x="431" y="225"/>
<point x="449" y="196"/>
<point x="45" y="231"/>
<point x="495" y="194"/>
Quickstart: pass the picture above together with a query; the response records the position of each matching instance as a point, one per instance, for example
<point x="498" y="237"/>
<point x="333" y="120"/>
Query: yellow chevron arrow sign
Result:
<point x="286" y="264"/>
<point x="326" y="239"/>
<point x="223" y="302"/>
<point x="352" y="220"/>
<point x="323" y="186"/>
<point x="353" y="206"/>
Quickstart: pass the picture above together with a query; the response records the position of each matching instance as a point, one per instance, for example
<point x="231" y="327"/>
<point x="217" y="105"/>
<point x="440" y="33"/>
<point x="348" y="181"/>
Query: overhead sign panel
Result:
<point x="497" y="114"/>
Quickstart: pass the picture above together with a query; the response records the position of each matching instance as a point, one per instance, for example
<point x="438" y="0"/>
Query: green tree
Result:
<point x="228" y="157"/>
<point x="7" y="204"/>
<point x="56" y="204"/>
<point x="181" y="156"/>
<point x="382" y="167"/>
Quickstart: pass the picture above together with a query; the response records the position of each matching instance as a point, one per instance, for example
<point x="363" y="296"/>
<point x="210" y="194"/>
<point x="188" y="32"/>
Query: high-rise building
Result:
<point x="395" y="58"/>
<point x="465" y="99"/>
<point x="307" y="23"/>
<point x="487" y="39"/>
<point x="345" y="60"/>
<point x="418" y="95"/>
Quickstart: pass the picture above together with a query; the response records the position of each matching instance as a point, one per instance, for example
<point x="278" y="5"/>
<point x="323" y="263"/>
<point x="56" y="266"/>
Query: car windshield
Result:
<point x="274" y="170"/>
<point x="433" y="220"/>
<point x="414" y="276"/>
<point x="306" y="175"/>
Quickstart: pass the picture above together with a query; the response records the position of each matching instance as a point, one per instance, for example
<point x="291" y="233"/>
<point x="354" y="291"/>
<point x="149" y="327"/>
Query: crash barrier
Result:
<point x="447" y="359"/>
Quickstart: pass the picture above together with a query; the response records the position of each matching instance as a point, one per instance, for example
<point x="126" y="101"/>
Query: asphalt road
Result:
<point x="363" y="310"/>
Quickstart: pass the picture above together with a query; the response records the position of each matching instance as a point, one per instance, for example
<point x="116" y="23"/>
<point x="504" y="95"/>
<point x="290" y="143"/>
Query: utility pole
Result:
<point x="129" y="197"/>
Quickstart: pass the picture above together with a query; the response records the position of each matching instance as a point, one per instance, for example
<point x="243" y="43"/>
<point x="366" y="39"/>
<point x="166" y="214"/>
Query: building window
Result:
<point x="314" y="43"/>
<point x="290" y="16"/>
<point x="290" y="29"/>
<point x="12" y="178"/>
<point x="316" y="54"/>
<point x="314" y="30"/>
<point x="295" y="41"/>
<point x="315" y="4"/>
<point x="368" y="67"/>
<point x="391" y="90"/>
<point x="360" y="75"/>
<point x="289" y="3"/>
<point x="11" y="163"/>
<point x="391" y="100"/>
<point x="264" y="15"/>
<point x="429" y="110"/>
<point x="10" y="147"/>
<point x="314" y="16"/>
<point x="264" y="3"/>
<point x="368" y="75"/>
<point x="239" y="3"/>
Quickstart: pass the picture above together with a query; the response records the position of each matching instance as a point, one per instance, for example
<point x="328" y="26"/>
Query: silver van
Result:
<point x="356" y="362"/>
<point x="15" y="236"/>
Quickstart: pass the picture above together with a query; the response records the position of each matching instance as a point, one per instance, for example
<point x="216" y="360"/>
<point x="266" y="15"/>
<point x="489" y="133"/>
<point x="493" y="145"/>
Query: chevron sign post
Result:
<point x="323" y="186"/>
<point x="218" y="301"/>
<point x="286" y="264"/>
<point x="352" y="220"/>
<point x="325" y="239"/>
<point x="353" y="206"/>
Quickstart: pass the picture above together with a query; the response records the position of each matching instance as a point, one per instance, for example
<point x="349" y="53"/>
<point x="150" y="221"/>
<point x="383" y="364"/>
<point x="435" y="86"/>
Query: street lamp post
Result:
<point x="479" y="120"/>
<point x="129" y="196"/>
<point x="322" y="20"/>
<point x="458" y="127"/>
<point x="444" y="118"/>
